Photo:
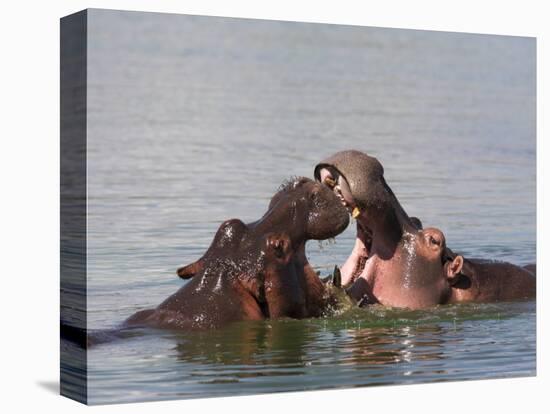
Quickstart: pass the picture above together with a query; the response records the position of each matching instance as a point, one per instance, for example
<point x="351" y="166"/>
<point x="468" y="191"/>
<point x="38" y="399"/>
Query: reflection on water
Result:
<point x="192" y="121"/>
<point x="285" y="345"/>
<point x="360" y="347"/>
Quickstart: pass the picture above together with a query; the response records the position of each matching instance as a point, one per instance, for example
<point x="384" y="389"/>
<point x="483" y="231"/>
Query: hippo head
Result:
<point x="394" y="261"/>
<point x="358" y="180"/>
<point x="424" y="271"/>
<point x="265" y="260"/>
<point x="315" y="212"/>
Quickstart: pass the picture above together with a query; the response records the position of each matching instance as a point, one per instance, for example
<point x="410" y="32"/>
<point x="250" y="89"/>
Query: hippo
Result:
<point x="258" y="270"/>
<point x="482" y="280"/>
<point x="397" y="262"/>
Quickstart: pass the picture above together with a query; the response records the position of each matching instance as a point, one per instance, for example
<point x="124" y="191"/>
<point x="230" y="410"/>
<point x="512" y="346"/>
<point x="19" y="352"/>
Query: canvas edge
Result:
<point x="73" y="206"/>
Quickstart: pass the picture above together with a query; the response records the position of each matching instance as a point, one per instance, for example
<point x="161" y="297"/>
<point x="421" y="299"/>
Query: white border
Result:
<point x="29" y="159"/>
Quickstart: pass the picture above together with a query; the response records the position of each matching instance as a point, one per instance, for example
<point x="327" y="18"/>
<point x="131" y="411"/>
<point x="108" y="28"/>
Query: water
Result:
<point x="364" y="347"/>
<point x="196" y="120"/>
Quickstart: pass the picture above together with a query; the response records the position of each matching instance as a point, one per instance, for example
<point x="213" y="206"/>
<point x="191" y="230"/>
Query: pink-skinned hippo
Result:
<point x="398" y="263"/>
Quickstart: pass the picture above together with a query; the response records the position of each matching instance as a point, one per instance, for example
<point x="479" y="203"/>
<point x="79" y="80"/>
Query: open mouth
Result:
<point x="356" y="263"/>
<point x="347" y="202"/>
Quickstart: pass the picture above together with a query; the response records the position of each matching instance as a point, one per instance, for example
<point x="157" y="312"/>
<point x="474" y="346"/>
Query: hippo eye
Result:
<point x="435" y="241"/>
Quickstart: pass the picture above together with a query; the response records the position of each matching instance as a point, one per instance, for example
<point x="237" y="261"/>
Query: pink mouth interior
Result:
<point x="356" y="264"/>
<point x="340" y="187"/>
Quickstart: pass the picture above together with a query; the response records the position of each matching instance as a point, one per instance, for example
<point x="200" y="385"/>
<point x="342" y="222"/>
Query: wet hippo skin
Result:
<point x="395" y="261"/>
<point x="491" y="281"/>
<point x="257" y="270"/>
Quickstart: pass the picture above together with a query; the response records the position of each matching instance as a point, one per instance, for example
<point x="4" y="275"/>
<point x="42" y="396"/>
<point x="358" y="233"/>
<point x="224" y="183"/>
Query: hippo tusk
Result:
<point x="330" y="182"/>
<point x="336" y="277"/>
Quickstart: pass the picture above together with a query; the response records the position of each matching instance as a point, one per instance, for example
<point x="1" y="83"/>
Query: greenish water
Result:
<point x="192" y="121"/>
<point x="361" y="347"/>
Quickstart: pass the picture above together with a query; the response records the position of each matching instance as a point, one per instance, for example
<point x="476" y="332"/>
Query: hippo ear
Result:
<point x="187" y="272"/>
<point x="453" y="268"/>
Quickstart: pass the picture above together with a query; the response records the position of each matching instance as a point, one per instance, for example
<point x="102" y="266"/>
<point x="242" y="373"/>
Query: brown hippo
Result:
<point x="398" y="263"/>
<point x="490" y="281"/>
<point x="257" y="270"/>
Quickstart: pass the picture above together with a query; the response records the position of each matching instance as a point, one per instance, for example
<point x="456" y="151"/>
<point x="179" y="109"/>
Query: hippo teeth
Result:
<point x="338" y="193"/>
<point x="330" y="182"/>
<point x="355" y="213"/>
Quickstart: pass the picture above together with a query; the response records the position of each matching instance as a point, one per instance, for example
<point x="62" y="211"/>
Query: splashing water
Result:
<point x="409" y="243"/>
<point x="218" y="286"/>
<point x="202" y="283"/>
